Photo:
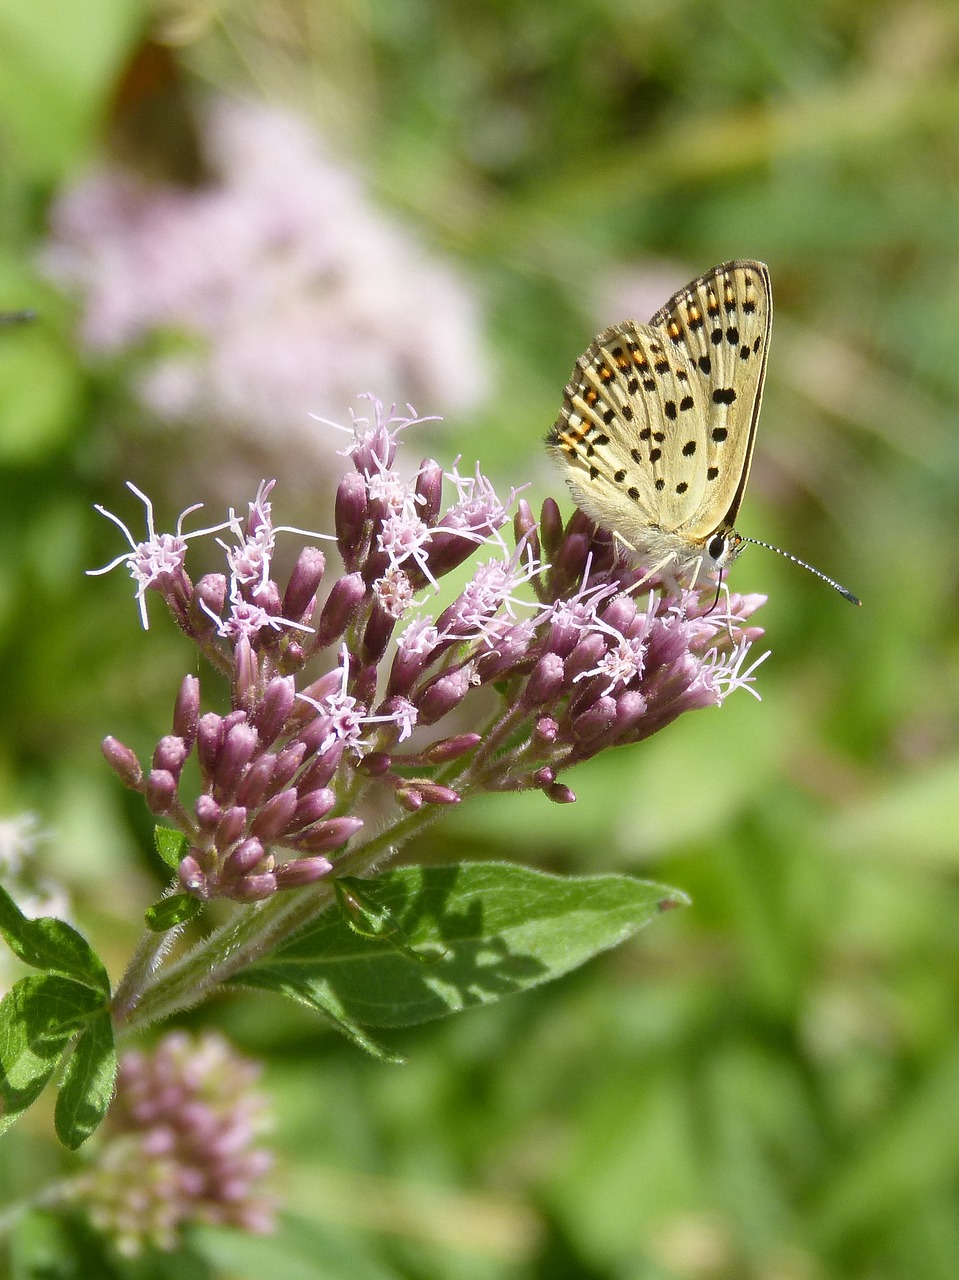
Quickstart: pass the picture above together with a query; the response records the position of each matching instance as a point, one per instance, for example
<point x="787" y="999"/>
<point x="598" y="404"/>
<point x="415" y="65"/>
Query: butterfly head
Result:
<point x="721" y="550"/>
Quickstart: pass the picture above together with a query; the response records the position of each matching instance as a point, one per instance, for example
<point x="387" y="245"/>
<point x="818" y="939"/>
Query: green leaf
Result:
<point x="38" y="1018"/>
<point x="170" y="845"/>
<point x="53" y="945"/>
<point x="325" y="1002"/>
<point x="87" y="1088"/>
<point x="373" y="920"/>
<point x="502" y="929"/>
<point x="169" y="912"/>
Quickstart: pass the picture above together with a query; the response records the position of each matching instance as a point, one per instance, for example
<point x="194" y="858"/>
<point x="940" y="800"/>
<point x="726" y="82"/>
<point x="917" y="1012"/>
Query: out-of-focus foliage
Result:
<point x="767" y="1084"/>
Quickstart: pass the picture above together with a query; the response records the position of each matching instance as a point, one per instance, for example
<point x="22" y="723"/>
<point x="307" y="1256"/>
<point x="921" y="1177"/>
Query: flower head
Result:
<point x="181" y="1147"/>
<point x="579" y="655"/>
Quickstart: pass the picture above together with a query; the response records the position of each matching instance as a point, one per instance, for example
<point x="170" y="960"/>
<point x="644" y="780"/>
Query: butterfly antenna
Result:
<point x="847" y="595"/>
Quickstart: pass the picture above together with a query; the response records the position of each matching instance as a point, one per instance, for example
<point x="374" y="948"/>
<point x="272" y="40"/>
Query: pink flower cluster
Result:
<point x="180" y="1147"/>
<point x="288" y="288"/>
<point x="579" y="650"/>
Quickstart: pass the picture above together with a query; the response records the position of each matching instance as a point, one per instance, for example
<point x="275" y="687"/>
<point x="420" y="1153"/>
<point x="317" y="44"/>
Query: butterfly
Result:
<point x="658" y="424"/>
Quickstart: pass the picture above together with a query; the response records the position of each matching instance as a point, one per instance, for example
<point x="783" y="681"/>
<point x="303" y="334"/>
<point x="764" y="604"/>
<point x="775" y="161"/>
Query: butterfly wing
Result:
<point x="657" y="425"/>
<point x="720" y="324"/>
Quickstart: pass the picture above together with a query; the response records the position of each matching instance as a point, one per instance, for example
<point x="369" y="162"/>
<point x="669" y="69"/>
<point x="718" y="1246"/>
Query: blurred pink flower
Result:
<point x="287" y="286"/>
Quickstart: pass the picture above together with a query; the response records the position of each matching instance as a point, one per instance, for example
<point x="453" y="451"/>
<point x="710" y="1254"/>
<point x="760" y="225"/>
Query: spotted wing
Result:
<point x="719" y="326"/>
<point x="657" y="424"/>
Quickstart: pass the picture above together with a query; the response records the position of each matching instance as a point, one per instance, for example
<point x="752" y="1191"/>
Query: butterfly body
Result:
<point x="658" y="422"/>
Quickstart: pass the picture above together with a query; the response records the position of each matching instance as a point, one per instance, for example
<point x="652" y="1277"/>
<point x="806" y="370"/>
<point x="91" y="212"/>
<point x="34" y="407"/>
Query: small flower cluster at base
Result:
<point x="583" y="652"/>
<point x="179" y="1147"/>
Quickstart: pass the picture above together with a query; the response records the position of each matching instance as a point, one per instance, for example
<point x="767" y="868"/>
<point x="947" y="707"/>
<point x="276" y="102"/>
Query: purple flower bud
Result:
<point x="231" y="827"/>
<point x="243" y="859"/>
<point x="316" y="733"/>
<point x="292" y="875"/>
<point x="364" y="684"/>
<point x="586" y="655"/>
<point x="410" y="798"/>
<point x="544" y="777"/>
<point x="187" y="710"/>
<point x="300" y="594"/>
<point x="551" y="527"/>
<point x="210" y="732"/>
<point x="171" y="754"/>
<point x="311" y="807"/>
<point x="254" y="888"/>
<point x="320" y="689"/>
<point x="376" y="634"/>
<point x="443" y="695"/>
<point x="630" y="709"/>
<point x="327" y="835"/>
<point x="510" y="651"/>
<point x="277" y="702"/>
<point x="570" y="558"/>
<point x="434" y="793"/>
<point x="559" y="793"/>
<point x="620" y="613"/>
<point x="350" y="512"/>
<point x="596" y="720"/>
<point x="448" y="551"/>
<point x="160" y="790"/>
<point x="122" y="761"/>
<point x="238" y="749"/>
<point x="287" y="763"/>
<point x="545" y="681"/>
<point x="208" y="812"/>
<point x="343" y="602"/>
<point x="275" y="815"/>
<point x="429" y="487"/>
<point x="245" y="672"/>
<point x="546" y="729"/>
<point x="256" y="782"/>
<point x="375" y="764"/>
<point x="524" y="527"/>
<point x="211" y="591"/>
<point x="452" y="748"/>
<point x="192" y="876"/>
<point x="321" y="770"/>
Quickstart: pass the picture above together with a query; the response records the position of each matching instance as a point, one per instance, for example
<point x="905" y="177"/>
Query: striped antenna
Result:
<point x="847" y="595"/>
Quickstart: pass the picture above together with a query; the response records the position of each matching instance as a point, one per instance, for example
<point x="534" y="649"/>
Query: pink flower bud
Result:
<point x="243" y="859"/>
<point x="275" y="815"/>
<point x="327" y="835"/>
<point x="340" y="609"/>
<point x="238" y="748"/>
<point x="301" y="871"/>
<point x="351" y="508"/>
<point x="545" y="681"/>
<point x="255" y="783"/>
<point x="300" y="594"/>
<point x="192" y="876"/>
<point x="208" y="812"/>
<point x="452" y="748"/>
<point x="429" y="487"/>
<point x="551" y="527"/>
<point x="232" y="825"/>
<point x="311" y="807"/>
<point x="160" y="791"/>
<point x="209" y="741"/>
<point x="123" y="762"/>
<point x="276" y="704"/>
<point x="443" y="695"/>
<point x="171" y="754"/>
<point x="187" y="709"/>
<point x="559" y="793"/>
<point x="254" y="888"/>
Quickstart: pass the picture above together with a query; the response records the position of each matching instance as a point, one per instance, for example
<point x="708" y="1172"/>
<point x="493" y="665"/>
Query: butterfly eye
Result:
<point x="716" y="547"/>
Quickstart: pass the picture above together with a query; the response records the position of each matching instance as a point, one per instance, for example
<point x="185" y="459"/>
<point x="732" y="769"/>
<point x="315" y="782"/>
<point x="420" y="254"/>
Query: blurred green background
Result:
<point x="766" y="1085"/>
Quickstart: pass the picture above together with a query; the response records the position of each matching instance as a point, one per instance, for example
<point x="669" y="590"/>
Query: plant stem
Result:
<point x="249" y="936"/>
